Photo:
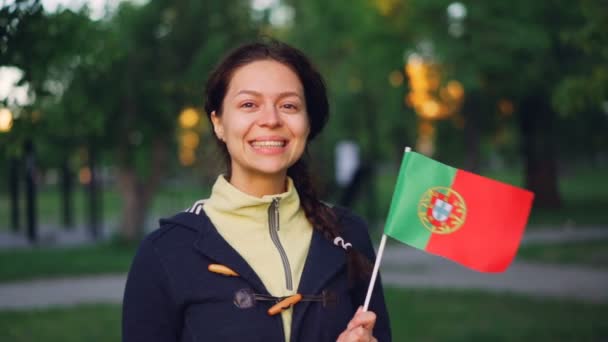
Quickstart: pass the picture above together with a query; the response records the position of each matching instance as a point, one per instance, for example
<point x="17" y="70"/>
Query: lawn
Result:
<point x="423" y="315"/>
<point x="82" y="323"/>
<point x="416" y="315"/>
<point x="23" y="264"/>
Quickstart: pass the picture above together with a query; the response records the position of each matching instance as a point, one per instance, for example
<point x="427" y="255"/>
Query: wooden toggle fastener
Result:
<point x="284" y="304"/>
<point x="221" y="269"/>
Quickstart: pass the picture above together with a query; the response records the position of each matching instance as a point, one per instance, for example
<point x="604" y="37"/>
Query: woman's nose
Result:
<point x="270" y="117"/>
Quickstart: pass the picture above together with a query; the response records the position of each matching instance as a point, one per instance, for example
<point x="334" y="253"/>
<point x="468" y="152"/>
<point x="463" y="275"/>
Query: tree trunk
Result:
<point x="13" y="185"/>
<point x="30" y="192"/>
<point x="536" y="120"/>
<point x="134" y="204"/>
<point x="94" y="193"/>
<point x="67" y="187"/>
<point x="472" y="151"/>
<point x="137" y="193"/>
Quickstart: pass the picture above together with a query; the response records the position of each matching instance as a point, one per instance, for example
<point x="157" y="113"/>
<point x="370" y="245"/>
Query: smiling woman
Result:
<point x="261" y="259"/>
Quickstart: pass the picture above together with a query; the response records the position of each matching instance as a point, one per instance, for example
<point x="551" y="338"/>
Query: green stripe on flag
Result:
<point x="416" y="175"/>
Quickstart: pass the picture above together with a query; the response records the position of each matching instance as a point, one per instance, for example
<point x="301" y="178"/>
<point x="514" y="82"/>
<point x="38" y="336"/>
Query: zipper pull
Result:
<point x="275" y="203"/>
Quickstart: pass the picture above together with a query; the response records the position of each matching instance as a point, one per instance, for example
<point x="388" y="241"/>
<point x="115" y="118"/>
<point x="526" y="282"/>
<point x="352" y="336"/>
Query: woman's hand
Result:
<point x="360" y="328"/>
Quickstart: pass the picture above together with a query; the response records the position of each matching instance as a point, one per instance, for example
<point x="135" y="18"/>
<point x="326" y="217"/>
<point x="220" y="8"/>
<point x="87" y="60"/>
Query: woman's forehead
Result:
<point x="265" y="76"/>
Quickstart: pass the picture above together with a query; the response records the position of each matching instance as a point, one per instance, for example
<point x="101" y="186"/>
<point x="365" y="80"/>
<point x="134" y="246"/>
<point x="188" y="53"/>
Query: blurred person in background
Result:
<point x="263" y="259"/>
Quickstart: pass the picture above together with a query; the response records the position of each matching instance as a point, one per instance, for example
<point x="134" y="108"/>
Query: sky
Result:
<point x="9" y="75"/>
<point x="97" y="7"/>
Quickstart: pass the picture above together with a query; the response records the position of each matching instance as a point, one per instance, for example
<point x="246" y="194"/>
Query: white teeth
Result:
<point x="272" y="143"/>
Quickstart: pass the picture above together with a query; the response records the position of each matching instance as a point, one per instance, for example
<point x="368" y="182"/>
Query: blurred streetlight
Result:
<point x="189" y="117"/>
<point x="6" y="120"/>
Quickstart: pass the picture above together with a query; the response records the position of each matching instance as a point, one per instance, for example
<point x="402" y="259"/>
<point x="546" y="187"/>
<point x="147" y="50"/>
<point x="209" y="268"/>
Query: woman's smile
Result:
<point x="269" y="145"/>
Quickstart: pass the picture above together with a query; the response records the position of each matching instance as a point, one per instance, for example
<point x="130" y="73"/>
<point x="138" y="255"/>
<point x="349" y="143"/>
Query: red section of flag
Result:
<point x="496" y="215"/>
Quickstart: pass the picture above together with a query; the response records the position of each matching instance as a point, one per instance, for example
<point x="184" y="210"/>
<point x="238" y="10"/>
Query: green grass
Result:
<point x="590" y="253"/>
<point x="76" y="324"/>
<point x="416" y="315"/>
<point x="424" y="315"/>
<point x="23" y="264"/>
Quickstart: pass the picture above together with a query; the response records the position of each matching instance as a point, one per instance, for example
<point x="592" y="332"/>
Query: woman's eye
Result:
<point x="248" y="105"/>
<point x="290" y="106"/>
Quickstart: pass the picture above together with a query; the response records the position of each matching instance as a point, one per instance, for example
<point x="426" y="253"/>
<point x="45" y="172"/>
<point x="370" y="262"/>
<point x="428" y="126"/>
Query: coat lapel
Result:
<point x="213" y="246"/>
<point x="324" y="260"/>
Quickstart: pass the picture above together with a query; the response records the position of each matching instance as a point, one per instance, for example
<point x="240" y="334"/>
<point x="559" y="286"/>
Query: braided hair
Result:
<point x="320" y="216"/>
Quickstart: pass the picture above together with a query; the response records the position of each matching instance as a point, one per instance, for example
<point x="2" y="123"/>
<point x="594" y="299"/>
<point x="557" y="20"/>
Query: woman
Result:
<point x="263" y="259"/>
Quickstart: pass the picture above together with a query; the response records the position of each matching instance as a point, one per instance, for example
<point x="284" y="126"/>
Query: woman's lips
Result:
<point x="269" y="146"/>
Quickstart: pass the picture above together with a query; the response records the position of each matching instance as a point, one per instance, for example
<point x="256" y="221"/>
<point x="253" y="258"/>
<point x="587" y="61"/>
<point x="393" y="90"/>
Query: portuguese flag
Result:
<point x="475" y="221"/>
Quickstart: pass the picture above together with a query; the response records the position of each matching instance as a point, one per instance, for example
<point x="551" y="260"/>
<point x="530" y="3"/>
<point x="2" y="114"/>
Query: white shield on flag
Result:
<point x="441" y="210"/>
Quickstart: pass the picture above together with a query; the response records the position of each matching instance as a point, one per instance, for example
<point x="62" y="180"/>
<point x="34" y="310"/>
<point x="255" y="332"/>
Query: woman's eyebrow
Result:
<point x="258" y="94"/>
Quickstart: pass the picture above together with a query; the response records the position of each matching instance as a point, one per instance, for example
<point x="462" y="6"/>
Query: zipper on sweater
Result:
<point x="273" y="227"/>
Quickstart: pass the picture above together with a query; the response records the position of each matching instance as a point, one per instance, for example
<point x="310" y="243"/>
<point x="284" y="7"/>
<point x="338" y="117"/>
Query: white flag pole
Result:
<point x="372" y="281"/>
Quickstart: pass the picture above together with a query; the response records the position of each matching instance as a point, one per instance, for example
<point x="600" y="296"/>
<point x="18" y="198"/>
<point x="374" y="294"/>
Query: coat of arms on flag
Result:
<point x="442" y="210"/>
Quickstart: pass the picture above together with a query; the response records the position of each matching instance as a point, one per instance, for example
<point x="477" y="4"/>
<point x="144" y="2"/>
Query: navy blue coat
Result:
<point x="171" y="296"/>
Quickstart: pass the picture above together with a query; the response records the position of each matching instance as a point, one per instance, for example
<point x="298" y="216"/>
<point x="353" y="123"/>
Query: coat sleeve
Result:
<point x="149" y="312"/>
<point x="361" y="240"/>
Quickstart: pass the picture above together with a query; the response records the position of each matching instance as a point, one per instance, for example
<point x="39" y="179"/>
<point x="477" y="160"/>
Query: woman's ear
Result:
<point x="218" y="128"/>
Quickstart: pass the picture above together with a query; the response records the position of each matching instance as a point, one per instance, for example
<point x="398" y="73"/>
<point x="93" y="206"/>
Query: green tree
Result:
<point x="515" y="51"/>
<point x="149" y="64"/>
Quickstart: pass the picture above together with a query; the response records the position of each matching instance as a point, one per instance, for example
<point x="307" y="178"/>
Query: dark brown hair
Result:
<point x="318" y="214"/>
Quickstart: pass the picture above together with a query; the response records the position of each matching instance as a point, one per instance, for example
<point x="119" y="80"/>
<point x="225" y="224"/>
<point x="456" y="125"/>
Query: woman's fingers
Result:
<point x="358" y="334"/>
<point x="366" y="319"/>
<point x="360" y="327"/>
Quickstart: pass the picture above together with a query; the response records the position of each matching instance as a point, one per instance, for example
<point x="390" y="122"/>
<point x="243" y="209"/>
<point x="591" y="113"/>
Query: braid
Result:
<point x="323" y="219"/>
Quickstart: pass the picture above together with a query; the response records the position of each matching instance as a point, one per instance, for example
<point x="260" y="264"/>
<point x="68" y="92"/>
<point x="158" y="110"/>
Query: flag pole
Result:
<point x="372" y="281"/>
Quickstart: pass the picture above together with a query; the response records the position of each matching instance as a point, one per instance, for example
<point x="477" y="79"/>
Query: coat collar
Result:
<point x="211" y="244"/>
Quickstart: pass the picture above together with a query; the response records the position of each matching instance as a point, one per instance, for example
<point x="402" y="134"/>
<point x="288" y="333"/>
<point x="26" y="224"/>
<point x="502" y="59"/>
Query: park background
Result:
<point x="102" y="132"/>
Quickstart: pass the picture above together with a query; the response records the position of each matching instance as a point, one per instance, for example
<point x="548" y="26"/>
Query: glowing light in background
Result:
<point x="189" y="117"/>
<point x="455" y="90"/>
<point x="6" y="120"/>
<point x="430" y="99"/>
<point x="189" y="140"/>
<point x="188" y="134"/>
<point x="457" y="10"/>
<point x="187" y="156"/>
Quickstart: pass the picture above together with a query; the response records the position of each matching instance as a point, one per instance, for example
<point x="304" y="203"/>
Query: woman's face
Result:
<point x="264" y="122"/>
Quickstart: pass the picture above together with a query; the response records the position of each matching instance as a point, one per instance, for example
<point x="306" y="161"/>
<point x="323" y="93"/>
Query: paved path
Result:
<point x="402" y="267"/>
<point x="407" y="267"/>
<point x="62" y="292"/>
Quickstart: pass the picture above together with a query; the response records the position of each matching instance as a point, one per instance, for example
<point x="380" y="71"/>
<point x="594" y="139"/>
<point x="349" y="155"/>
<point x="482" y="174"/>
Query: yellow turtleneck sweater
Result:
<point x="243" y="221"/>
